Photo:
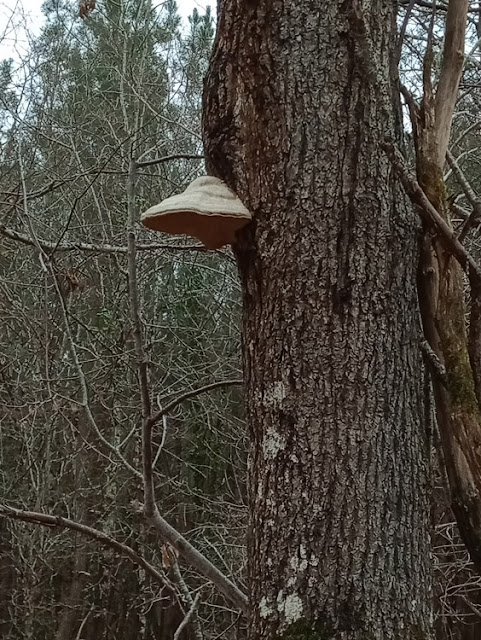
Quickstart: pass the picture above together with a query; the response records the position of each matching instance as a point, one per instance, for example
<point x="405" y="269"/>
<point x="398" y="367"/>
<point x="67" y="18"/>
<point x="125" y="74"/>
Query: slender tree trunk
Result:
<point x="72" y="606"/>
<point x="7" y="578"/>
<point x="297" y="100"/>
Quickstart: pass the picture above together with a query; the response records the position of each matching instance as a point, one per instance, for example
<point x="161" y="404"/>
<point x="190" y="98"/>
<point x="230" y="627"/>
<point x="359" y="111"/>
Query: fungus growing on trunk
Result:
<point x="207" y="210"/>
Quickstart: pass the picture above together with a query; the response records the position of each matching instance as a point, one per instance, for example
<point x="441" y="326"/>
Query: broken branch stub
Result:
<point x="207" y="210"/>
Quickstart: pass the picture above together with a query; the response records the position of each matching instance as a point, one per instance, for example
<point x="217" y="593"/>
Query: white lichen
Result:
<point x="275" y="394"/>
<point x="273" y="443"/>
<point x="260" y="489"/>
<point x="293" y="608"/>
<point x="299" y="562"/>
<point x="264" y="609"/>
<point x="303" y="555"/>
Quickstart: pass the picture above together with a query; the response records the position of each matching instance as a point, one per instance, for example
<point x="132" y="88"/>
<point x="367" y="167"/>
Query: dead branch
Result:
<point x="175" y="156"/>
<point x="451" y="69"/>
<point x="430" y="214"/>
<point x="88" y="247"/>
<point x="199" y="561"/>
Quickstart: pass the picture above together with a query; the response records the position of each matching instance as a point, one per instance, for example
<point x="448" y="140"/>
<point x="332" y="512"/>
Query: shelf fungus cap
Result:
<point x="207" y="210"/>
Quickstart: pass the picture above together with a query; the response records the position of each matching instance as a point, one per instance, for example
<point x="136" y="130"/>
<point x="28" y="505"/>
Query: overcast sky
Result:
<point x="13" y="41"/>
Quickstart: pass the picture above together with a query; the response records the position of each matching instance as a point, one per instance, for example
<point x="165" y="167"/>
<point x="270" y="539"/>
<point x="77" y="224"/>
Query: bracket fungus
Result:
<point x="207" y="210"/>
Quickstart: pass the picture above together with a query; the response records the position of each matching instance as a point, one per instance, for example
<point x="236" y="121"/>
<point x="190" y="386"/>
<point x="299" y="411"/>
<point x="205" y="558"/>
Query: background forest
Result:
<point x="127" y="81"/>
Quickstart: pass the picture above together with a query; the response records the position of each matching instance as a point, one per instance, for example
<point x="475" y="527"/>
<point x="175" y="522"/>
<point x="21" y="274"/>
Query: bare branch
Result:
<point x="411" y="104"/>
<point x="402" y="31"/>
<point x="467" y="131"/>
<point x="434" y="363"/>
<point x="83" y="384"/>
<point x="46" y="263"/>
<point x="429" y="213"/>
<point x="174" y="156"/>
<point x="450" y="76"/>
<point x="191" y="615"/>
<point x="191" y="394"/>
<point x="199" y="561"/>
<point x="442" y="6"/>
<point x="47" y="520"/>
<point x="188" y="617"/>
<point x="89" y="247"/>
<point x="470" y="194"/>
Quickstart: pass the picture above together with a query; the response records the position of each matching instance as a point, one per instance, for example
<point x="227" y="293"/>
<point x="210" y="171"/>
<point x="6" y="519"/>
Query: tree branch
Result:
<point x="470" y="194"/>
<point x="88" y="247"/>
<point x="176" y="156"/>
<point x="191" y="615"/>
<point x="450" y="75"/>
<point x="430" y="214"/>
<point x="47" y="520"/>
<point x="402" y="31"/>
<point x="199" y="561"/>
<point x="85" y="402"/>
<point x="191" y="394"/>
<point x="187" y="618"/>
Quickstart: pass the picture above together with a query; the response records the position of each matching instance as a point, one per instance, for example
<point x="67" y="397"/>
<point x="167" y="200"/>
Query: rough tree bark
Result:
<point x="297" y="100"/>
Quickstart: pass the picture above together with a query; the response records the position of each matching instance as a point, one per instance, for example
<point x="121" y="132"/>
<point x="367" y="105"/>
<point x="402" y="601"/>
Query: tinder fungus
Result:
<point x="207" y="210"/>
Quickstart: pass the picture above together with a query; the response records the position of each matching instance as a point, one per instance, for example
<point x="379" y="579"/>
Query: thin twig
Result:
<point x="191" y="394"/>
<point x="174" y="156"/>
<point x="402" y="31"/>
<point x="47" y="265"/>
<point x="83" y="383"/>
<point x="84" y="191"/>
<point x="470" y="194"/>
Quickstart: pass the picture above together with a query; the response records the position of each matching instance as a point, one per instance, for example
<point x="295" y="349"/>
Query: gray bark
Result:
<point x="297" y="101"/>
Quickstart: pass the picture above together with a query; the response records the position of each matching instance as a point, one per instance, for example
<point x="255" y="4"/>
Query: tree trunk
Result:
<point x="7" y="578"/>
<point x="297" y="100"/>
<point x="73" y="599"/>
